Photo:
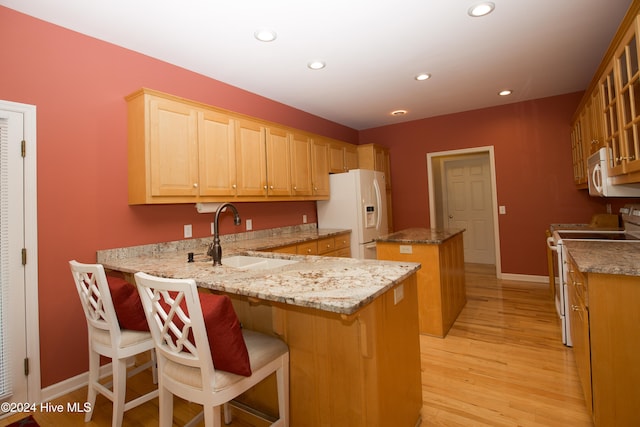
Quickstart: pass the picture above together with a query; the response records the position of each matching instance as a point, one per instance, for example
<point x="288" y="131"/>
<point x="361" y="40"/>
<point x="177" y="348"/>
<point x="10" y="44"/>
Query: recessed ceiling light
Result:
<point x="505" y="92"/>
<point x="265" y="35"/>
<point x="423" y="76"/>
<point x="481" y="9"/>
<point x="399" y="112"/>
<point x="316" y="65"/>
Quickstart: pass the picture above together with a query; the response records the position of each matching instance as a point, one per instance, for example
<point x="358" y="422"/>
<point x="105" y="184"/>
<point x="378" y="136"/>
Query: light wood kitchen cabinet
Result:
<point x="320" y="169"/>
<point x="579" y="323"/>
<point x="250" y="159"/>
<point x="441" y="282"/>
<point x="628" y="85"/>
<point x="337" y="246"/>
<point x="217" y="154"/>
<point x="343" y="156"/>
<point x="301" y="170"/>
<point x="278" y="159"/>
<point x="578" y="153"/>
<point x="605" y="343"/>
<point x="609" y="113"/>
<point x="182" y="151"/>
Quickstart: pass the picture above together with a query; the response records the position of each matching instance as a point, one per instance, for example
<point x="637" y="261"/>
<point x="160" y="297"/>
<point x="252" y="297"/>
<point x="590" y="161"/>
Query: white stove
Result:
<point x="630" y="215"/>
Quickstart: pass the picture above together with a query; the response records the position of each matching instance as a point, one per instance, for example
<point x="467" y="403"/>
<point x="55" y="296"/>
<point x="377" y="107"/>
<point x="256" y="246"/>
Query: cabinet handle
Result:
<point x="195" y="185"/>
<point x="575" y="308"/>
<point x="265" y="187"/>
<point x="233" y="186"/>
<point x="308" y="251"/>
<point x="295" y="188"/>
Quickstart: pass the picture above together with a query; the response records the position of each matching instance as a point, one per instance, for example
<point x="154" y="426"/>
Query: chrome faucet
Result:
<point x="215" y="250"/>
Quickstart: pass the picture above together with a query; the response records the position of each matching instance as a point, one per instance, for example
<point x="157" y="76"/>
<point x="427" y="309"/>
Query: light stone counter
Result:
<point x="339" y="285"/>
<point x="420" y="235"/>
<point x="606" y="257"/>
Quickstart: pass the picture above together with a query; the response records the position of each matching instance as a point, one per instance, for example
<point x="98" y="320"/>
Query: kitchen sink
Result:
<point x="245" y="262"/>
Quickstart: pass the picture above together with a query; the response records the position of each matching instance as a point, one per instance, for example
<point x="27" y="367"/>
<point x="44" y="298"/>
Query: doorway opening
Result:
<point x="462" y="194"/>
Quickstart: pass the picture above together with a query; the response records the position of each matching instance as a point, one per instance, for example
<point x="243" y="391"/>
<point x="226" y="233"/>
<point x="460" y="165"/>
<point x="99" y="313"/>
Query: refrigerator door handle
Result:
<point x="376" y="186"/>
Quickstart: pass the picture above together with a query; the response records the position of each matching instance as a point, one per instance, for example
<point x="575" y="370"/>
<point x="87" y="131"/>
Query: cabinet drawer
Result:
<point x="343" y="241"/>
<point x="309" y="248"/>
<point x="326" y="245"/>
<point x="290" y="249"/>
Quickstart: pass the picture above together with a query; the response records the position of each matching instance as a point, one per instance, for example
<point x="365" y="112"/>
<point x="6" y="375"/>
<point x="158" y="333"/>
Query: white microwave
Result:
<point x="599" y="181"/>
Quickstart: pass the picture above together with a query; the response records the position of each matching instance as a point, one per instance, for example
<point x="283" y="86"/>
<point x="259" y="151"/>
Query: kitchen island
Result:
<point x="441" y="282"/>
<point x="351" y="327"/>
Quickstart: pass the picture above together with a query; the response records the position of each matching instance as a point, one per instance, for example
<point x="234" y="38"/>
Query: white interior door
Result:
<point x="468" y="204"/>
<point x="19" y="335"/>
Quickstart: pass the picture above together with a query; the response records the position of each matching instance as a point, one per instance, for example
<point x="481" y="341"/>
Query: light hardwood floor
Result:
<point x="502" y="364"/>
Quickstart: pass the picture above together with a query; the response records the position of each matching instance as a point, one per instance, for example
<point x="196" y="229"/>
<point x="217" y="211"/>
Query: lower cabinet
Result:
<point x="579" y="322"/>
<point x="441" y="283"/>
<point x="337" y="246"/>
<point x="606" y="344"/>
<point x="358" y="370"/>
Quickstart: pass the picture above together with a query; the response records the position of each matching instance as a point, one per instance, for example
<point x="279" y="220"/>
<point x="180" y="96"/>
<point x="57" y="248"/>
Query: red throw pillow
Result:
<point x="228" y="349"/>
<point x="224" y="332"/>
<point x="127" y="304"/>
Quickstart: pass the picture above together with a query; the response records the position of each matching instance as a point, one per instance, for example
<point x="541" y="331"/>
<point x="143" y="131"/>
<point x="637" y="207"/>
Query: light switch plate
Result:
<point x="188" y="232"/>
<point x="248" y="224"/>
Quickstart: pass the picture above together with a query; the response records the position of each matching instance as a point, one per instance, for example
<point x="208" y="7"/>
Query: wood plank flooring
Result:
<point x="502" y="364"/>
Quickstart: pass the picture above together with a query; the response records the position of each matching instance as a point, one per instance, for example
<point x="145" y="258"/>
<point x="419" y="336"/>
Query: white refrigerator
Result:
<point x="357" y="202"/>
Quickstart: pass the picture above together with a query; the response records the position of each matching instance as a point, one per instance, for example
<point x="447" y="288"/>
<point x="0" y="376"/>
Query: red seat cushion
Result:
<point x="226" y="343"/>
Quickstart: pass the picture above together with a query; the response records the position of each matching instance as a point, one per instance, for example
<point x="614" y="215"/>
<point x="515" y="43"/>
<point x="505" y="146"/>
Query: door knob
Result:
<point x="450" y="216"/>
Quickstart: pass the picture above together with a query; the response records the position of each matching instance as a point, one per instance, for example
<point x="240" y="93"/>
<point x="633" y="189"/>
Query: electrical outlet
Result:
<point x="187" y="231"/>
<point x="248" y="224"/>
<point x="212" y="228"/>
<point x="406" y="249"/>
<point x="398" y="294"/>
<point x="304" y="219"/>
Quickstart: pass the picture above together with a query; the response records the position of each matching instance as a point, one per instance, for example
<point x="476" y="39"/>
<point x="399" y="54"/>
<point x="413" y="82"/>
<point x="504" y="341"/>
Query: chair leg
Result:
<point x="119" y="390"/>
<point x="154" y="365"/>
<point x="165" y="403"/>
<point x="227" y="414"/>
<point x="212" y="418"/>
<point x="94" y="373"/>
<point x="282" y="380"/>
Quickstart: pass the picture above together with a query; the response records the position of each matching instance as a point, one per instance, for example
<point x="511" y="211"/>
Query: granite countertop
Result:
<point x="339" y="285"/>
<point x="420" y="235"/>
<point x="585" y="227"/>
<point x="614" y="257"/>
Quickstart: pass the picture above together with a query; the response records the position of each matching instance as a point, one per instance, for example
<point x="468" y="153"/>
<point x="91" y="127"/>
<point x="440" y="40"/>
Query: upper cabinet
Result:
<point x="376" y="157"/>
<point x="625" y="157"/>
<point x="342" y="156"/>
<point x="180" y="151"/>
<point x="609" y="114"/>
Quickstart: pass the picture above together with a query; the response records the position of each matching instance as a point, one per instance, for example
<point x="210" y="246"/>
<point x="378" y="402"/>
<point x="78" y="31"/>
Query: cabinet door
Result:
<point x="217" y="154"/>
<point x="173" y="148"/>
<point x="579" y="323"/>
<point x="301" y="184"/>
<point x="320" y="168"/>
<point x="350" y="157"/>
<point x="336" y="157"/>
<point x="251" y="173"/>
<point x="629" y="89"/>
<point x="609" y="95"/>
<point x="278" y="157"/>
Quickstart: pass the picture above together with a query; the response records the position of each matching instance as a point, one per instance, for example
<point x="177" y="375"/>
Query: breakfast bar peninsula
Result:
<point x="351" y="325"/>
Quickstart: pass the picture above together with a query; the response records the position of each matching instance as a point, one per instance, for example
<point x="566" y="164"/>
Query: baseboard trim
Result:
<point x="71" y="384"/>
<point x="525" y="278"/>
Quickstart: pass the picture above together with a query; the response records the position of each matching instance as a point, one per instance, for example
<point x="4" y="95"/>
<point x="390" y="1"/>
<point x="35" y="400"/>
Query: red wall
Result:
<point x="532" y="149"/>
<point x="78" y="85"/>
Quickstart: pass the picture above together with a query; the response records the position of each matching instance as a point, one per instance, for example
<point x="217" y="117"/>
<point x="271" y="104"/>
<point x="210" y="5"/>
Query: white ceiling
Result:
<point x="373" y="48"/>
